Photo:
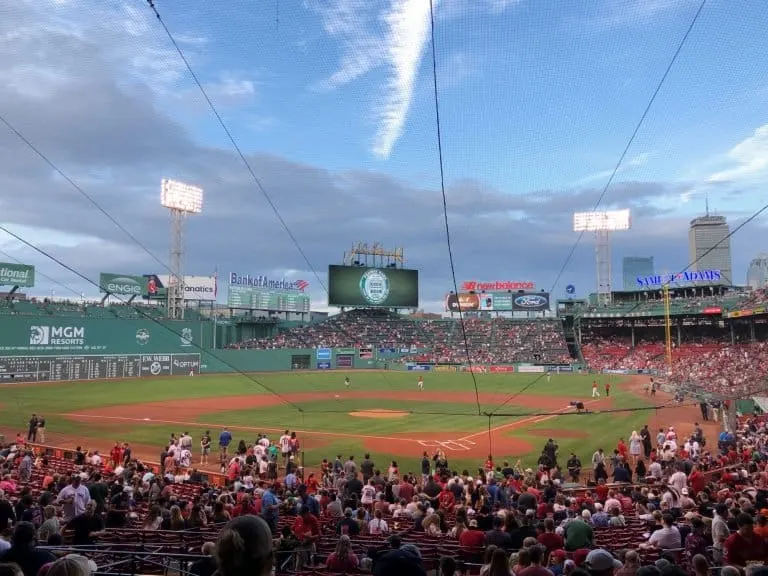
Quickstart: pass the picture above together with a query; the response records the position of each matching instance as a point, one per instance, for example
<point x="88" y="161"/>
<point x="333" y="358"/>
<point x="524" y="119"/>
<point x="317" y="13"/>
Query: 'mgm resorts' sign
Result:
<point x="693" y="277"/>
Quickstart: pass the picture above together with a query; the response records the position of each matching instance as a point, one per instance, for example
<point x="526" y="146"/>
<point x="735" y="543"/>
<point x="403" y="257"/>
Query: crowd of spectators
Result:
<point x="756" y="298"/>
<point x="717" y="367"/>
<point x="494" y="340"/>
<point x="700" y="506"/>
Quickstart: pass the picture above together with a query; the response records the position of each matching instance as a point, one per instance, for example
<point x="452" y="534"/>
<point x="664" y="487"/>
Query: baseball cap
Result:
<point x="558" y="555"/>
<point x="600" y="560"/>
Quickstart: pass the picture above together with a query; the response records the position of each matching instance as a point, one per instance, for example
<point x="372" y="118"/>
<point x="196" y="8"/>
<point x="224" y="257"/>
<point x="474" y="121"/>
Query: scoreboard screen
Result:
<point x="94" y="367"/>
<point x="250" y="298"/>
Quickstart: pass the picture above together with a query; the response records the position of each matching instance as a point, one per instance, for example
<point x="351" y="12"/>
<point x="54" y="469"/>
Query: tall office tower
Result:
<point x="633" y="267"/>
<point x="709" y="247"/>
<point x="757" y="273"/>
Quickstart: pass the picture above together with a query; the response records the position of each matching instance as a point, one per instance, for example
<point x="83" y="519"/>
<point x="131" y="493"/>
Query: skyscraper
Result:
<point x="709" y="246"/>
<point x="634" y="266"/>
<point x="757" y="273"/>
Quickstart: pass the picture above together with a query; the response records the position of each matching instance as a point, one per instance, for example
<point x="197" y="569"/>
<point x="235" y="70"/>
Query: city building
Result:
<point x="633" y="267"/>
<point x="757" y="273"/>
<point x="709" y="246"/>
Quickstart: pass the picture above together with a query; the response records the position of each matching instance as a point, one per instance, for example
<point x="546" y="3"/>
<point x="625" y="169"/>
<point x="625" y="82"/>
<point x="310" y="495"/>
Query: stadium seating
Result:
<point x="156" y="550"/>
<point x="497" y="340"/>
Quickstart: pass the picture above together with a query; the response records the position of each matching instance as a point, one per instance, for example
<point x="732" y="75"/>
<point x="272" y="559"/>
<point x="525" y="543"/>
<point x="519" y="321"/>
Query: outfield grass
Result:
<point x="452" y="418"/>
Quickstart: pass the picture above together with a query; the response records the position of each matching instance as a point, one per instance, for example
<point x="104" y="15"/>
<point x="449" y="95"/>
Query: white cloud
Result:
<point x="231" y="89"/>
<point x="409" y="25"/>
<point x="750" y="158"/>
<point x="401" y="40"/>
<point x="497" y="6"/>
<point x="744" y="164"/>
<point x="634" y="162"/>
<point x="352" y="21"/>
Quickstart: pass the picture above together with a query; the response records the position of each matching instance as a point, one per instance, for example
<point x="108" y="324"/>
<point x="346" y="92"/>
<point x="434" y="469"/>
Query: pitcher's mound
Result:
<point x="379" y="414"/>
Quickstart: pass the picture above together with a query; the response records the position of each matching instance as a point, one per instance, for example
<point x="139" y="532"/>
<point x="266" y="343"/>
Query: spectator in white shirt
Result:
<point x="185" y="442"/>
<point x="667" y="537"/>
<point x="74" y="498"/>
<point x="655" y="470"/>
<point x="611" y="502"/>
<point x="96" y="459"/>
<point x="377" y="525"/>
<point x="678" y="480"/>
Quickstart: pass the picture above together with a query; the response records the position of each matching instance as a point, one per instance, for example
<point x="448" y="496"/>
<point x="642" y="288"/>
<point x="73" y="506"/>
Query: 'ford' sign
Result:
<point x="531" y="302"/>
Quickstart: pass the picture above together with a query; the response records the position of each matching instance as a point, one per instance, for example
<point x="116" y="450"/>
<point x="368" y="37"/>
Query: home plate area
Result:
<point x="451" y="445"/>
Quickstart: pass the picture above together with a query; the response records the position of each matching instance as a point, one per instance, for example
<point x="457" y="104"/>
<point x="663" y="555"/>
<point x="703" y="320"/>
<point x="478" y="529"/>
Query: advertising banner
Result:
<point x="712" y="310"/>
<point x="122" y="284"/>
<point x="496" y="285"/>
<point x="446" y="368"/>
<point x="388" y="352"/>
<point x="344" y="361"/>
<point x="743" y="313"/>
<point x="679" y="279"/>
<point x="500" y="369"/>
<point x="40" y="335"/>
<point x="497" y="302"/>
<point x="21" y="275"/>
<point x="323" y="365"/>
<point x="154" y="289"/>
<point x="532" y="302"/>
<point x="418" y="367"/>
<point x="267" y="283"/>
<point x="530" y="369"/>
<point x="475" y="369"/>
<point x="551" y="368"/>
<point x="366" y="352"/>
<point x="349" y="351"/>
<point x="380" y="287"/>
<point x="619" y="371"/>
<point x="323" y="353"/>
<point x="195" y="287"/>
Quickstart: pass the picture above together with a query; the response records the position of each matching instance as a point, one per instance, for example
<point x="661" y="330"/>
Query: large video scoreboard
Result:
<point x="94" y="367"/>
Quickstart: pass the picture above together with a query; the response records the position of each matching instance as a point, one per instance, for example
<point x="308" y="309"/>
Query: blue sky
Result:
<point x="333" y="103"/>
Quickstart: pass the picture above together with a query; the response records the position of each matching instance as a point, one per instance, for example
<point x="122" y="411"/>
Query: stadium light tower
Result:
<point x="602" y="224"/>
<point x="180" y="199"/>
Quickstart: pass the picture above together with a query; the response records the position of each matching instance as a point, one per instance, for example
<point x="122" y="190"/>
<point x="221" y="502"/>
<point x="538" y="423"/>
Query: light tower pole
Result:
<point x="181" y="200"/>
<point x="602" y="224"/>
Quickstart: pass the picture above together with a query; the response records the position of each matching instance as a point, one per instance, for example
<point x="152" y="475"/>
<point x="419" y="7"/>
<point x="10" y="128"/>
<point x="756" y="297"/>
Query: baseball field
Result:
<point x="381" y="412"/>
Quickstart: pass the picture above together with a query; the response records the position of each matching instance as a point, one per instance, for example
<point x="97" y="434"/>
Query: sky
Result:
<point x="332" y="104"/>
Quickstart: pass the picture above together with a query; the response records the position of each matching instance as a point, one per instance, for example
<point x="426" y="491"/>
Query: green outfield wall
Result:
<point x="40" y="348"/>
<point x="71" y="335"/>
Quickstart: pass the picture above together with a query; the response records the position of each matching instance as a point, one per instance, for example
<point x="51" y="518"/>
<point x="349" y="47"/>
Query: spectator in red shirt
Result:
<point x="342" y="559"/>
<point x="537" y="555"/>
<point x="743" y="545"/>
<point x="116" y="454"/>
<point x="246" y="506"/>
<point x="473" y="537"/>
<point x="306" y="528"/>
<point x="447" y="499"/>
<point x="697" y="481"/>
<point x="622" y="448"/>
<point x="549" y="539"/>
